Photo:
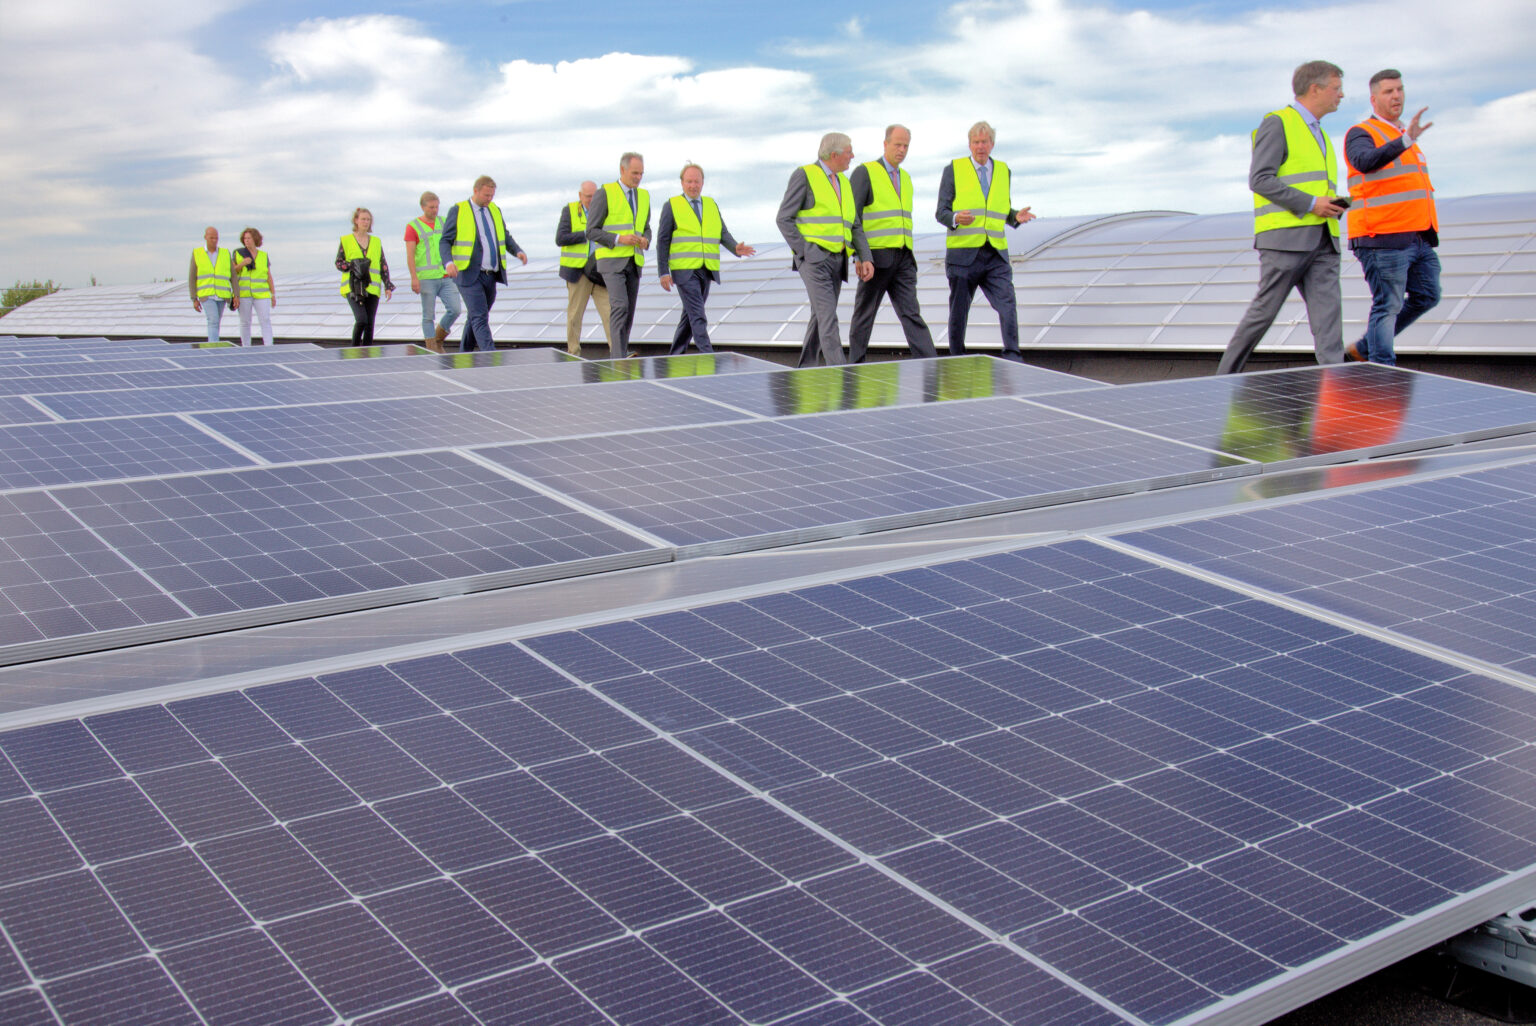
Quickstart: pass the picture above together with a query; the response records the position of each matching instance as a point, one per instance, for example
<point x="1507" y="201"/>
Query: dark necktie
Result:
<point x="697" y="211"/>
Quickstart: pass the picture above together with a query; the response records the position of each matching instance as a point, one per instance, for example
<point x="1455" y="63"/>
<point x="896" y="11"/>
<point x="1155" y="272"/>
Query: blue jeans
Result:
<point x="433" y="289"/>
<point x="213" y="312"/>
<point x="1390" y="273"/>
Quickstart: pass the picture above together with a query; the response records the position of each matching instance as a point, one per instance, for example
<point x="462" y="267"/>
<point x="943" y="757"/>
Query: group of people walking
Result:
<point x="832" y="220"/>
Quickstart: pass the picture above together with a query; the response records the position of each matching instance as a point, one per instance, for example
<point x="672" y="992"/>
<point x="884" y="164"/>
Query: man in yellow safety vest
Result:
<point x="882" y="189"/>
<point x="210" y="279"/>
<point x="688" y="242"/>
<point x="578" y="269"/>
<point x="820" y="221"/>
<point x="1296" y="211"/>
<point x="619" y="225"/>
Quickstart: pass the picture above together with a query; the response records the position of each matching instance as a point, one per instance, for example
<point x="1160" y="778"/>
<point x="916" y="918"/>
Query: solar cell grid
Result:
<point x="274" y="538"/>
<point x="766" y="482"/>
<point x="783" y="393"/>
<point x="103" y="381"/>
<point x="40" y="455"/>
<point x="181" y="399"/>
<point x="1313" y="414"/>
<point x="1448" y="562"/>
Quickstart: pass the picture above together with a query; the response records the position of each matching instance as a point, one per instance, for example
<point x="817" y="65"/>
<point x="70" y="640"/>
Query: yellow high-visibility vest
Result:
<point x="429" y="255"/>
<point x="990" y="211"/>
<point x="623" y="221"/>
<point x="352" y="251"/>
<point x="695" y="244"/>
<point x="467" y="230"/>
<point x="255" y="282"/>
<point x="1306" y="167"/>
<point x="829" y="222"/>
<point x="888" y="218"/>
<point x="212" y="275"/>
<point x="576" y="256"/>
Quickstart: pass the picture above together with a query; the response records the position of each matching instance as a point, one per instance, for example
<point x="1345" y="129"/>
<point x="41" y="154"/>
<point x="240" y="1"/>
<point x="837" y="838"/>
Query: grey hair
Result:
<point x="833" y="142"/>
<point x="983" y="128"/>
<point x="1313" y="73"/>
<point x="626" y="158"/>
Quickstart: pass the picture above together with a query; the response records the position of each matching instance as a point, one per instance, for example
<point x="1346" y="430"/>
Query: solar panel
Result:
<point x="765" y="483"/>
<point x="1448" y="561"/>
<point x="284" y="392"/>
<point x="471" y="369"/>
<point x="1311" y="414"/>
<point x="843" y="804"/>
<point x="364" y="361"/>
<point x="72" y="452"/>
<point x="252" y="546"/>
<point x="870" y="385"/>
<point x="17" y="410"/>
<point x="98" y="365"/>
<point x="102" y="381"/>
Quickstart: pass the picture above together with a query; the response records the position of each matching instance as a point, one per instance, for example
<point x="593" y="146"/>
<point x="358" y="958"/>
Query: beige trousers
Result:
<point x="577" y="293"/>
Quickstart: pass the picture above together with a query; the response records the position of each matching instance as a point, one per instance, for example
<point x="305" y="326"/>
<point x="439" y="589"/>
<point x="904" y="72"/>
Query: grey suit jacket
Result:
<point x="597" y="216"/>
<point x="798" y="197"/>
<point x="664" y="232"/>
<point x="964" y="256"/>
<point x="1269" y="152"/>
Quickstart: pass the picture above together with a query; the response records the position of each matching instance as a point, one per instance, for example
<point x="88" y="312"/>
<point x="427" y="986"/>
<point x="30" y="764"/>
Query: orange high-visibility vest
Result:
<point x="1396" y="197"/>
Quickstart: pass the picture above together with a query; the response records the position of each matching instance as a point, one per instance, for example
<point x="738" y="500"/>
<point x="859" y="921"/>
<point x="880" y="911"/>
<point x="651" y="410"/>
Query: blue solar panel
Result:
<point x="287" y="392"/>
<point x="761" y="483"/>
<point x="100" y="380"/>
<point x="1448" y="561"/>
<point x="17" y="410"/>
<point x="271" y="542"/>
<point x="1311" y="414"/>
<point x="823" y="806"/>
<point x="74" y="452"/>
<point x="784" y="393"/>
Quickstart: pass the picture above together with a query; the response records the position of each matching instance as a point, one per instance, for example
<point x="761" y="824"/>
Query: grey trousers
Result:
<point x="1316" y="274"/>
<point x="823" y="340"/>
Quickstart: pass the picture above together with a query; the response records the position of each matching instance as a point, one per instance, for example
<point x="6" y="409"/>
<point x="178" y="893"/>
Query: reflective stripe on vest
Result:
<point x="467" y="230"/>
<point x="429" y="255"/>
<point x="623" y="221"/>
<point x="990" y="211"/>
<point x="1397" y="197"/>
<point x="255" y="283"/>
<point x="1306" y="167"/>
<point x="695" y="245"/>
<point x="576" y="256"/>
<point x="352" y="251"/>
<point x="888" y="218"/>
<point x="828" y="223"/>
<point x="212" y="275"/>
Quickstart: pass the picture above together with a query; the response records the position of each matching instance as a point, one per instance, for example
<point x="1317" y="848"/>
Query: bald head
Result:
<point x="585" y="193"/>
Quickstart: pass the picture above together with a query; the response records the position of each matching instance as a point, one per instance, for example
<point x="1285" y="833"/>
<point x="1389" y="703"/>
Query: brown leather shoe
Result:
<point x="1352" y="354"/>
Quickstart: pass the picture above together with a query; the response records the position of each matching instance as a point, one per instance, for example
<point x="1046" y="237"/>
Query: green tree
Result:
<point x="24" y="292"/>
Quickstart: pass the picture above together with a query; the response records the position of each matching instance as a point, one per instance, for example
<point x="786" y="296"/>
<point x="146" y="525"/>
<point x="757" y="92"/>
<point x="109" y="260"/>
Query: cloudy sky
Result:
<point x="130" y="126"/>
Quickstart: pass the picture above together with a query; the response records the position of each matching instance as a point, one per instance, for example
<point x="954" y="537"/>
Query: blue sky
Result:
<point x="132" y="126"/>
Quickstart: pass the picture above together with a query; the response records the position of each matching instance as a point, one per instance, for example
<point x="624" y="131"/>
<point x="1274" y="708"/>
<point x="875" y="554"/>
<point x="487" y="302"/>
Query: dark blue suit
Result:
<point x="969" y="267"/>
<point x="476" y="286"/>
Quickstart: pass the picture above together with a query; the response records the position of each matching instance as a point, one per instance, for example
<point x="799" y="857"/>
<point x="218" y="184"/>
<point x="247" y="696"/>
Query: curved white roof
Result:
<point x="1146" y="280"/>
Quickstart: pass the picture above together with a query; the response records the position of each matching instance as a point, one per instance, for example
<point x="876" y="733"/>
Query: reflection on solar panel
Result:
<point x="1055" y="786"/>
<point x="1311" y="414"/>
<point x="277" y="543"/>
<point x="869" y="385"/>
<point x="99" y="450"/>
<point x="764" y="483"/>
<point x="285" y="392"/>
<point x="422" y="360"/>
<point x="500" y="374"/>
<point x="1449" y="561"/>
<point x="106" y="380"/>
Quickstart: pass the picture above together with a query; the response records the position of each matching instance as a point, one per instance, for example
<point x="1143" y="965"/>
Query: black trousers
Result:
<point x="994" y="274"/>
<point x="899" y="279"/>
<point x="364" y="312"/>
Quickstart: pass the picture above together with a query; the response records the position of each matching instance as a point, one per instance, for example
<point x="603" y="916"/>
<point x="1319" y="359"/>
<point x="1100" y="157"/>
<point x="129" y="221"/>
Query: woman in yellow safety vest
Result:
<point x="257" y="293"/>
<point x="364" y="274"/>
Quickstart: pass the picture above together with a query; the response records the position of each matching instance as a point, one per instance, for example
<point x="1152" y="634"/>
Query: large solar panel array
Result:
<point x="1057" y="785"/>
<point x="1065" y="783"/>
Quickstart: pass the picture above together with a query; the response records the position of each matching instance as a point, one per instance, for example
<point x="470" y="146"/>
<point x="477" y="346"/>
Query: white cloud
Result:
<point x="133" y="138"/>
